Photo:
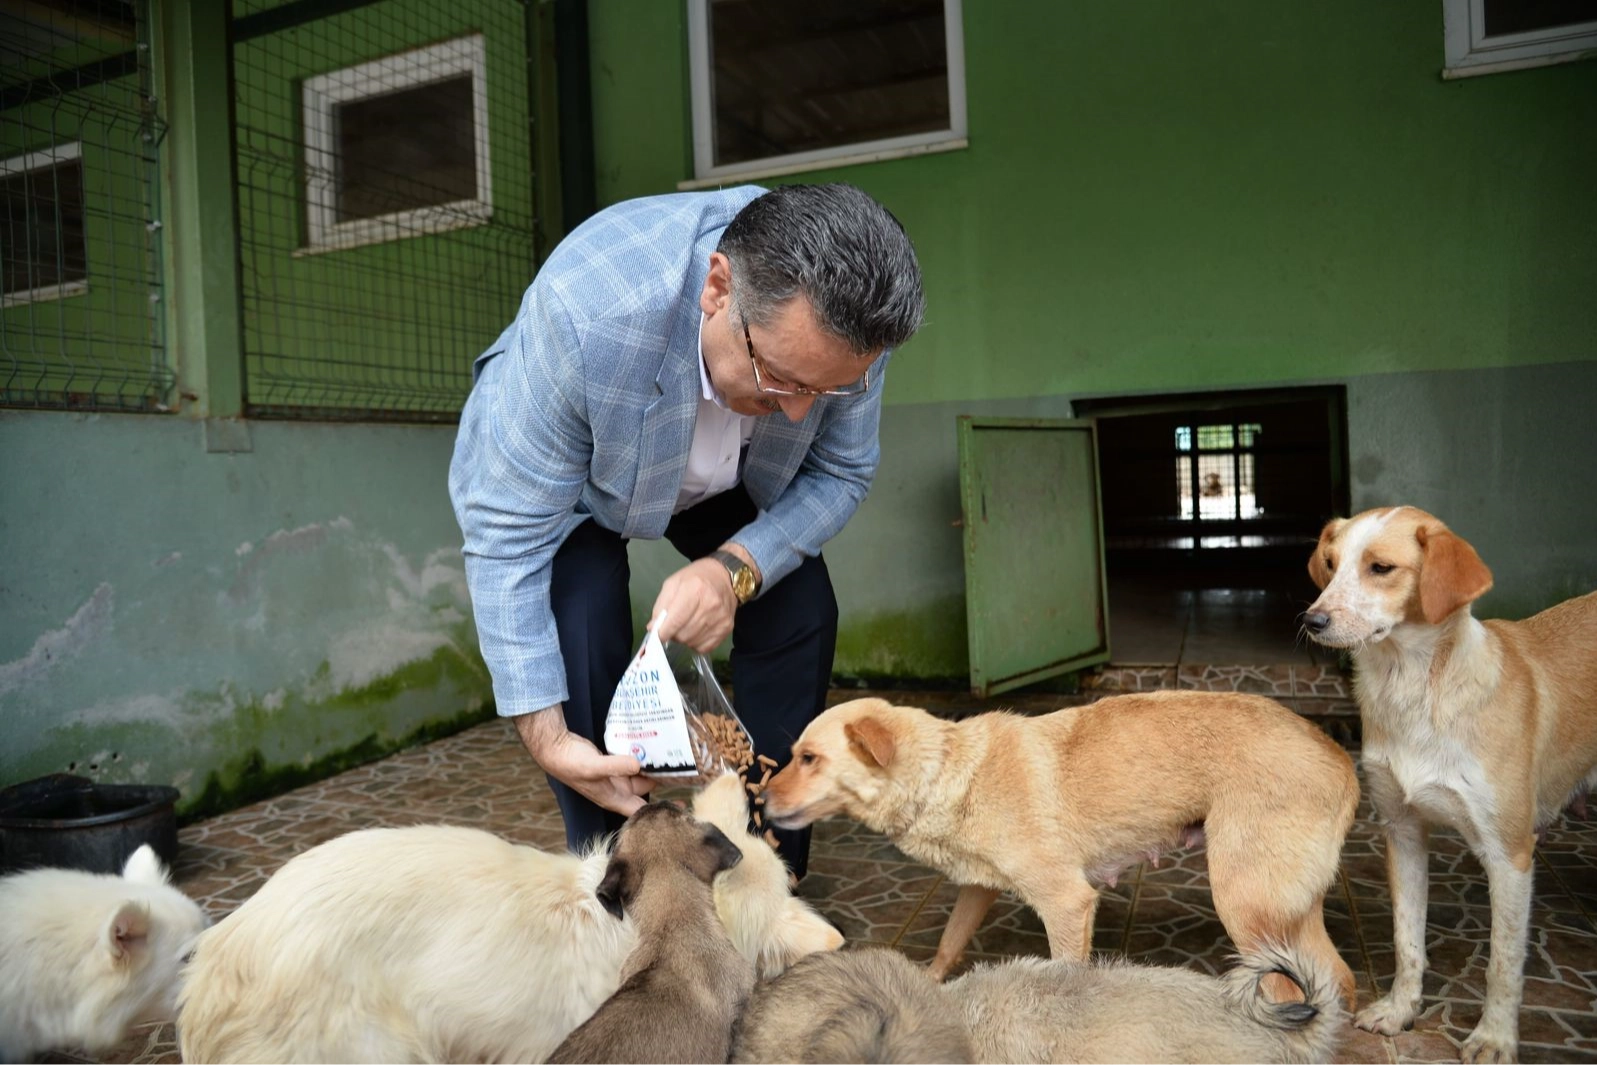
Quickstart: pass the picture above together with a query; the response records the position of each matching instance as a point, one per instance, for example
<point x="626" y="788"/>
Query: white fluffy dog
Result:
<point x="449" y="944"/>
<point x="85" y="956"/>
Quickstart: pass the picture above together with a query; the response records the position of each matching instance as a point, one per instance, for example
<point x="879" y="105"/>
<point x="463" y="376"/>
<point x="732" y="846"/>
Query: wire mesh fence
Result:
<point x="385" y="193"/>
<point x="80" y="132"/>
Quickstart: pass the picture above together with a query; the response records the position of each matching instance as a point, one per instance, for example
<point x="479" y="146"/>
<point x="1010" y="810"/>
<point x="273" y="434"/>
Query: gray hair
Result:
<point x="836" y="246"/>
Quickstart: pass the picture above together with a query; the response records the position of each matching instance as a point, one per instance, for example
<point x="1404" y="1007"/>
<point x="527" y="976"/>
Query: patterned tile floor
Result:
<point x="874" y="893"/>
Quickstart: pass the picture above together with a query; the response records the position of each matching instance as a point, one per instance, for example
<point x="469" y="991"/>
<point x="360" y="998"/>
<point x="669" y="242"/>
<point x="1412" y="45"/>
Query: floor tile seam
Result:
<point x="1131" y="911"/>
<point x="1571" y="895"/>
<point x="919" y="906"/>
<point x="1358" y="928"/>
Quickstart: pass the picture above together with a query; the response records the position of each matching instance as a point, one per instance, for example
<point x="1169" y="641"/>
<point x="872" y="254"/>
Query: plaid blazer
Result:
<point x="584" y="408"/>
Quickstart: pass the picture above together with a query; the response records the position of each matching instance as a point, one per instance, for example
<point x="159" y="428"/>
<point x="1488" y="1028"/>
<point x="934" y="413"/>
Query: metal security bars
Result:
<point x="80" y="129"/>
<point x="385" y="193"/>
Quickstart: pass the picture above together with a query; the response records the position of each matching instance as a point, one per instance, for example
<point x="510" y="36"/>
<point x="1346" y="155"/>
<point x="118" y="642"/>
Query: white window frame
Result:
<point x="406" y="70"/>
<point x="1470" y="52"/>
<point x="707" y="174"/>
<point x="44" y="159"/>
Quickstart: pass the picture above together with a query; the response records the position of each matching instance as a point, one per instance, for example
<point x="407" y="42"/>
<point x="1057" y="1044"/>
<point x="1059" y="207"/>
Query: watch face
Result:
<point x="743" y="584"/>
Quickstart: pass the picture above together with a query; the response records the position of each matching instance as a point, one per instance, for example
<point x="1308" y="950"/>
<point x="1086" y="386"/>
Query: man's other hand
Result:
<point x="613" y="781"/>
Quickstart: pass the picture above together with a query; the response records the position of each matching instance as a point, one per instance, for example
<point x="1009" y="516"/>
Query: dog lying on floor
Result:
<point x="1034" y="1010"/>
<point x="1051" y="806"/>
<point x="868" y="1005"/>
<point x="449" y="944"/>
<point x="86" y="956"/>
<point x="684" y="984"/>
<point x="1489" y="727"/>
<point x="875" y="1005"/>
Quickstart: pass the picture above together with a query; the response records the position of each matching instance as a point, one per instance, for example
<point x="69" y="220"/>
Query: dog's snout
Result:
<point x="1316" y="621"/>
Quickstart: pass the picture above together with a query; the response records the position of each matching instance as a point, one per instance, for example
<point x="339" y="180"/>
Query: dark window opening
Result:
<point x="1504" y="17"/>
<point x="43" y="239"/>
<point x="790" y="78"/>
<point x="406" y="149"/>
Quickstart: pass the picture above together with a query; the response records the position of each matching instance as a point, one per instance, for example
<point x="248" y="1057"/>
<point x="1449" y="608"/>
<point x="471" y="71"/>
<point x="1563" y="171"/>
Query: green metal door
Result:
<point x="1035" y="596"/>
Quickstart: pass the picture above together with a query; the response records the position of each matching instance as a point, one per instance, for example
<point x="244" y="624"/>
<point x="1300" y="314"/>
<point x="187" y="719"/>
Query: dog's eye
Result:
<point x="1330" y="563"/>
<point x="806" y="758"/>
<point x="1381" y="569"/>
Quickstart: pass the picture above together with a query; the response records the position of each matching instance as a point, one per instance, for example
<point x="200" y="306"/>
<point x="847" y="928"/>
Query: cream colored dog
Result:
<point x="1049" y="807"/>
<point x="449" y="944"/>
<point x="1032" y="1010"/>
<point x="876" y="1005"/>
<point x="1490" y="727"/>
<point x="85" y="956"/>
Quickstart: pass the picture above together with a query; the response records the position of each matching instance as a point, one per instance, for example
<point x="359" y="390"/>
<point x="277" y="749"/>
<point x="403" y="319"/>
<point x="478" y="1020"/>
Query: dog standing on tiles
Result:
<point x="1489" y="727"/>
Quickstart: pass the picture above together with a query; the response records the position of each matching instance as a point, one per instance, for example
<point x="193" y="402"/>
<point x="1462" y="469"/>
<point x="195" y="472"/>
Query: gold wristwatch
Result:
<point x="744" y="584"/>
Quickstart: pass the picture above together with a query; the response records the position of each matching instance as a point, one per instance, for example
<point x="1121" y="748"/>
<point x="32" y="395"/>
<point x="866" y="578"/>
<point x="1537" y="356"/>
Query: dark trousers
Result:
<point x="782" y="646"/>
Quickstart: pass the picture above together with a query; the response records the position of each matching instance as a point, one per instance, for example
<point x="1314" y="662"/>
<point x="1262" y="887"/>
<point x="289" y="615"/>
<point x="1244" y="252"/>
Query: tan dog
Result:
<point x="1047" y="807"/>
<point x="1490" y="727"/>
<point x="684" y="984"/>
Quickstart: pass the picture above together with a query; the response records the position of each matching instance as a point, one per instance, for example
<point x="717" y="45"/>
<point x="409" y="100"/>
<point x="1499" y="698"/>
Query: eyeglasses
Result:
<point x="782" y="388"/>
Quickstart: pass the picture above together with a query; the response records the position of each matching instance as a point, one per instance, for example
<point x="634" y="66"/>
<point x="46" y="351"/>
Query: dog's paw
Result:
<point x="1489" y="1045"/>
<point x="1386" y="1017"/>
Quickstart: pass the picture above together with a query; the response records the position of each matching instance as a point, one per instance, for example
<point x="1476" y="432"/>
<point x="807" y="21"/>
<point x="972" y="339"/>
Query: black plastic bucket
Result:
<point x="70" y="822"/>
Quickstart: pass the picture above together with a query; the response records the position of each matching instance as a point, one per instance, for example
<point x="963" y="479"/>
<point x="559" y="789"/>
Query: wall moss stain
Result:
<point x="356" y="722"/>
<point x="927" y="643"/>
<point x="252" y="778"/>
<point x="256" y="748"/>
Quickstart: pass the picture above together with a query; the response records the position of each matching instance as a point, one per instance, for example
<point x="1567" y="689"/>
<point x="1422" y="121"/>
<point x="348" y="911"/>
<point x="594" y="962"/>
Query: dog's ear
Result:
<point x="615" y="890"/>
<point x="128" y="930"/>
<point x="144" y="867"/>
<point x="1451" y="575"/>
<point x="723" y="853"/>
<point x="797" y="933"/>
<point x="872" y="739"/>
<point x="1319" y="572"/>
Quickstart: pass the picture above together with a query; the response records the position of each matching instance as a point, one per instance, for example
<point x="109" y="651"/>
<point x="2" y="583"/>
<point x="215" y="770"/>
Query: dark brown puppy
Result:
<point x="684" y="984"/>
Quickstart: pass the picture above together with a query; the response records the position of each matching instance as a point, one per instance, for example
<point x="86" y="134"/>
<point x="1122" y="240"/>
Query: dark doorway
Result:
<point x="1211" y="503"/>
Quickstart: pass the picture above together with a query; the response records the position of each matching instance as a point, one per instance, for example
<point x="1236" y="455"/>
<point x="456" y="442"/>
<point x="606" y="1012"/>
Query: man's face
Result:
<point x="792" y="353"/>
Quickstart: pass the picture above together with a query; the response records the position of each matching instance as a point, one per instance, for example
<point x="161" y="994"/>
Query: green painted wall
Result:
<point x="1161" y="197"/>
<point x="103" y="344"/>
<point x="1174" y="196"/>
<point x="229" y="623"/>
<point x="320" y="330"/>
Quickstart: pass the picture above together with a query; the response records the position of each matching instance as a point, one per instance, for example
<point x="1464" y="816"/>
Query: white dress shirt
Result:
<point x="718" y="438"/>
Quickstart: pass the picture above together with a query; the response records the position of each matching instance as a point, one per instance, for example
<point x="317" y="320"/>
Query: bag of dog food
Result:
<point x="672" y="734"/>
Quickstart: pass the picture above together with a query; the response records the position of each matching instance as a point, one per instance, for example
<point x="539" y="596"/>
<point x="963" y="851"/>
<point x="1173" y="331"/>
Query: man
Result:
<point x="633" y="397"/>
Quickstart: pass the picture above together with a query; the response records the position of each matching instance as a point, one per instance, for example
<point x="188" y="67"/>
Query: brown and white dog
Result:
<point x="1489" y="727"/>
<point x="1051" y="807"/>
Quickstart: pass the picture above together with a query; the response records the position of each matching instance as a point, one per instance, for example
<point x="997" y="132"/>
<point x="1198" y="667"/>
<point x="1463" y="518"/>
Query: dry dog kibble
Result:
<point x="723" y="744"/>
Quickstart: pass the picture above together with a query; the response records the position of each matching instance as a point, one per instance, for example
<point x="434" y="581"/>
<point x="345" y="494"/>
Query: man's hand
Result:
<point x="613" y="781"/>
<point x="698" y="603"/>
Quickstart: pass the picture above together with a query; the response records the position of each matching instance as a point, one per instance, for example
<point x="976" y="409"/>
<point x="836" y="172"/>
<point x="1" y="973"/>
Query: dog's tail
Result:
<point x="1307" y="1030"/>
